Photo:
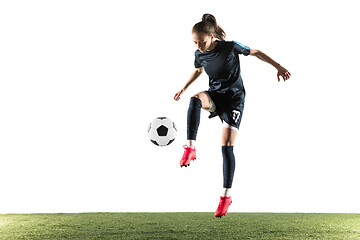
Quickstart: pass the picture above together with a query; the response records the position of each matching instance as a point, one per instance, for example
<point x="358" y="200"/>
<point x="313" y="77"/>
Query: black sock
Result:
<point x="193" y="118"/>
<point x="228" y="165"/>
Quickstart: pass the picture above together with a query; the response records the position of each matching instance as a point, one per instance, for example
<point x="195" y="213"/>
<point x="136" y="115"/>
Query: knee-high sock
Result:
<point x="228" y="165"/>
<point x="193" y="118"/>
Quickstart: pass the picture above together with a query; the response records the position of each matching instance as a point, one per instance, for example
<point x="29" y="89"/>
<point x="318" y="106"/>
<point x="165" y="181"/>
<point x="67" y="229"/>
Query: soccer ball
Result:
<point x="162" y="131"/>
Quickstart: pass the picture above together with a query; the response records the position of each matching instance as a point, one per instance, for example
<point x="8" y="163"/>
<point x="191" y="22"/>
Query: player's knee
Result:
<point x="197" y="96"/>
<point x="228" y="137"/>
<point x="205" y="102"/>
<point x="227" y="142"/>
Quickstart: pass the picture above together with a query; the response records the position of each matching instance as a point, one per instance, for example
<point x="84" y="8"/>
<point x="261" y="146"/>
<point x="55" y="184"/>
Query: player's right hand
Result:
<point x="178" y="94"/>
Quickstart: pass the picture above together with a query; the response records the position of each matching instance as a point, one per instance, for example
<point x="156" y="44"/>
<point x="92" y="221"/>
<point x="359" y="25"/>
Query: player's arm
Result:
<point x="195" y="74"/>
<point x="262" y="56"/>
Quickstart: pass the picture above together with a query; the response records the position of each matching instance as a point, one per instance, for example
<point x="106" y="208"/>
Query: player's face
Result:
<point x="202" y="41"/>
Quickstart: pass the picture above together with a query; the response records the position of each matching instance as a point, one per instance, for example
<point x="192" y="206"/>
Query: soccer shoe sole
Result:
<point x="189" y="163"/>
<point x="221" y="216"/>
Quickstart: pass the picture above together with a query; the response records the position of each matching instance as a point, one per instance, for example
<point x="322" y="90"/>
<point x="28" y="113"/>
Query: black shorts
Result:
<point x="229" y="107"/>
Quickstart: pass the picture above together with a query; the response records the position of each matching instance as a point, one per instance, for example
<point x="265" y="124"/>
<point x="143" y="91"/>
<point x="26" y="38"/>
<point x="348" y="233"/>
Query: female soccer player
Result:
<point x="225" y="97"/>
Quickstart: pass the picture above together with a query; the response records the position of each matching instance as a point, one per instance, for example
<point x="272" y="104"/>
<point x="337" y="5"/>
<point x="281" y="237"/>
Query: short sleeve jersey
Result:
<point x="222" y="64"/>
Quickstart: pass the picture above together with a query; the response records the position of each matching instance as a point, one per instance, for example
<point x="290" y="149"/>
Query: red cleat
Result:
<point x="223" y="206"/>
<point x="189" y="154"/>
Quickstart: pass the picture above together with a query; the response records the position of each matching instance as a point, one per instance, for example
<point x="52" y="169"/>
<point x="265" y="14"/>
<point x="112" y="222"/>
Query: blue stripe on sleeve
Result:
<point x="242" y="45"/>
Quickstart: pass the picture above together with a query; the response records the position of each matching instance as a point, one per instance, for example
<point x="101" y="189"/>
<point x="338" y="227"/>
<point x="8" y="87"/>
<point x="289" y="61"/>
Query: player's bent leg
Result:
<point x="193" y="122"/>
<point x="198" y="101"/>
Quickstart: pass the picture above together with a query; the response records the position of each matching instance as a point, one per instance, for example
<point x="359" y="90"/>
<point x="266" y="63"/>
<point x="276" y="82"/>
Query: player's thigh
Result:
<point x="228" y="136"/>
<point x="205" y="100"/>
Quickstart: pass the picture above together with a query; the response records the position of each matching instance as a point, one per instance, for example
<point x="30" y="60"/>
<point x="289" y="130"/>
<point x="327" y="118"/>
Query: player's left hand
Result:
<point x="283" y="73"/>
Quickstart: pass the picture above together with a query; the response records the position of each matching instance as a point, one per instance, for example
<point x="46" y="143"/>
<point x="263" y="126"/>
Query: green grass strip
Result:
<point x="180" y="226"/>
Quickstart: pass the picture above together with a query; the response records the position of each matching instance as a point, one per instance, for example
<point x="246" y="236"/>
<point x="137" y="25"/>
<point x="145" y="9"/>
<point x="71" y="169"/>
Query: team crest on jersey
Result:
<point x="236" y="115"/>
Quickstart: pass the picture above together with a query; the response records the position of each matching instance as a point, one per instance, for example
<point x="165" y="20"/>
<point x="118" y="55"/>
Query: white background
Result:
<point x="81" y="80"/>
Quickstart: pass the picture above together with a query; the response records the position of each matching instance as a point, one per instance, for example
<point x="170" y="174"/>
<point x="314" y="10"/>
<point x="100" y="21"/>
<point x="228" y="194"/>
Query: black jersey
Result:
<point x="222" y="64"/>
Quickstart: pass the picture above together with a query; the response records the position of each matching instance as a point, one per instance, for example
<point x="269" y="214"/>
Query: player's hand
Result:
<point x="178" y="94"/>
<point x="283" y="73"/>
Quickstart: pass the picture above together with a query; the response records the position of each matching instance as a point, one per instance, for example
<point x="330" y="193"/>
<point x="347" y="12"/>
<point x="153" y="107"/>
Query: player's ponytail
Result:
<point x="209" y="25"/>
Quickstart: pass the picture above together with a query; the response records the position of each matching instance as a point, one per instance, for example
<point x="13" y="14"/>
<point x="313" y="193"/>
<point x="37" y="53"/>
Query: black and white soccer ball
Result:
<point x="162" y="131"/>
